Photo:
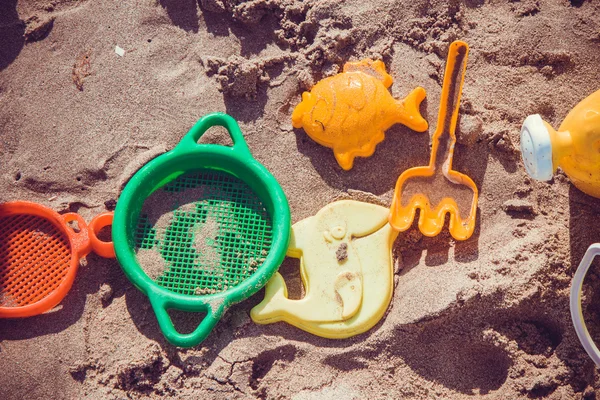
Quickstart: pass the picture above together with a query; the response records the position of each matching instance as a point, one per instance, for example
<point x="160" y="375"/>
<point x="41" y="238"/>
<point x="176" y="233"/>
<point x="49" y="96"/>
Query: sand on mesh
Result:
<point x="205" y="239"/>
<point x="152" y="262"/>
<point x="159" y="208"/>
<point x="199" y="291"/>
<point x="162" y="208"/>
<point x="188" y="199"/>
<point x="227" y="216"/>
<point x="7" y="300"/>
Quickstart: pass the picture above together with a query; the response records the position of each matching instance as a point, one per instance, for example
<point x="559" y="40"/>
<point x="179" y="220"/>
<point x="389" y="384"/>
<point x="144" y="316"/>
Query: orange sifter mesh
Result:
<point x="34" y="259"/>
<point x="39" y="255"/>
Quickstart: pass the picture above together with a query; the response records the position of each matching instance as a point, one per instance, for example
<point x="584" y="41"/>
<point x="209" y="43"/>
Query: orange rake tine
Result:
<point x="437" y="189"/>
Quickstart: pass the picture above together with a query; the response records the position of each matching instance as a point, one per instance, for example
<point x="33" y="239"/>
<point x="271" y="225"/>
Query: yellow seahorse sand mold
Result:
<point x="346" y="268"/>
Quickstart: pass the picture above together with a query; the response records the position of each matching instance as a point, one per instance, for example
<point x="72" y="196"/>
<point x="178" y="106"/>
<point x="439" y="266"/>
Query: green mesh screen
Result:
<point x="202" y="233"/>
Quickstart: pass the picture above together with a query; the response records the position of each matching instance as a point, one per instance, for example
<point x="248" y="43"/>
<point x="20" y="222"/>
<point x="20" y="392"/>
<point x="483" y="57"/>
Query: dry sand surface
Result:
<point x="485" y="318"/>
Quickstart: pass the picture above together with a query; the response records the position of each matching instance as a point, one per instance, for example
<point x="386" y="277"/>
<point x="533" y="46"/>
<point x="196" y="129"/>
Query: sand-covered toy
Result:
<point x="346" y="268"/>
<point x="437" y="189"/>
<point x="575" y="147"/>
<point x="200" y="228"/>
<point x="351" y="111"/>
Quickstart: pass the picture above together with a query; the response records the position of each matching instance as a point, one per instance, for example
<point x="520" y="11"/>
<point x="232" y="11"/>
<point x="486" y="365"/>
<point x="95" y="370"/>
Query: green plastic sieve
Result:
<point x="225" y="233"/>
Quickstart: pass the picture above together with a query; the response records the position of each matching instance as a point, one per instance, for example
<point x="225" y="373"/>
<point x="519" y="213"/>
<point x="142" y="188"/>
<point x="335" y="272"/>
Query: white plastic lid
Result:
<point x="536" y="148"/>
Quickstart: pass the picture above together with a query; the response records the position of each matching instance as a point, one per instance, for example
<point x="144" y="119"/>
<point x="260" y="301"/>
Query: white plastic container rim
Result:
<point x="536" y="148"/>
<point x="575" y="303"/>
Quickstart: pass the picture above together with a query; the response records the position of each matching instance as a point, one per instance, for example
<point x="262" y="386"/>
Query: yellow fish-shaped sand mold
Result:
<point x="351" y="111"/>
<point x="346" y="269"/>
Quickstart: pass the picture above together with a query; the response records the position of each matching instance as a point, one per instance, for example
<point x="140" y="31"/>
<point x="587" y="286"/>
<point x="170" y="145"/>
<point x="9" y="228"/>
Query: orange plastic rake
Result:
<point x="437" y="189"/>
<point x="39" y="255"/>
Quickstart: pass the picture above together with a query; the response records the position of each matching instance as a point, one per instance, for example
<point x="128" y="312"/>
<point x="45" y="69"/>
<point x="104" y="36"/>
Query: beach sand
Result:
<point x="484" y="318"/>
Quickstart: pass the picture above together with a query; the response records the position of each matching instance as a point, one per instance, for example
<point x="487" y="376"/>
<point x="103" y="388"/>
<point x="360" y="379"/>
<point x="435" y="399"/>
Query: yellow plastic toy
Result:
<point x="349" y="112"/>
<point x="346" y="268"/>
<point x="437" y="189"/>
<point x="575" y="147"/>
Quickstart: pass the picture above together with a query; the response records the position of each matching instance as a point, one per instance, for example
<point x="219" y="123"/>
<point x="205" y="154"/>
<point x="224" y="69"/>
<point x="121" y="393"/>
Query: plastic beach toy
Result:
<point x="437" y="189"/>
<point x="224" y="232"/>
<point x="575" y="303"/>
<point x="346" y="268"/>
<point x="575" y="147"/>
<point x="40" y="253"/>
<point x="351" y="111"/>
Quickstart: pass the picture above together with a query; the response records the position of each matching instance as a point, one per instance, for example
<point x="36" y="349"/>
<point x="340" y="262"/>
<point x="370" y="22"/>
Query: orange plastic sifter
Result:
<point x="40" y="253"/>
<point x="437" y="189"/>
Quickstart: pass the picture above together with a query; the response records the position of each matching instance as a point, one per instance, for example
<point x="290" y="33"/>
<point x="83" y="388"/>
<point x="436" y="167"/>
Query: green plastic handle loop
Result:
<point x="160" y="306"/>
<point x="190" y="140"/>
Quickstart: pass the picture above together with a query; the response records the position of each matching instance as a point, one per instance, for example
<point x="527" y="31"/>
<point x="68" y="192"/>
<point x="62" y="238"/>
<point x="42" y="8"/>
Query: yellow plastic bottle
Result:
<point x="575" y="147"/>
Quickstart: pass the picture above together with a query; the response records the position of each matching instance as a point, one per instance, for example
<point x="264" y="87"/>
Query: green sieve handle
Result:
<point x="189" y="143"/>
<point x="213" y="315"/>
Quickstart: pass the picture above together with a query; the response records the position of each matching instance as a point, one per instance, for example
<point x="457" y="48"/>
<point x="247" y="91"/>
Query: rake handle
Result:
<point x="454" y="76"/>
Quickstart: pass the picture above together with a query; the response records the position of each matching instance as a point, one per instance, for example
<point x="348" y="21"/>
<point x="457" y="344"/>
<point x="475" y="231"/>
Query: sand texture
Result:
<point x="486" y="318"/>
<point x="152" y="262"/>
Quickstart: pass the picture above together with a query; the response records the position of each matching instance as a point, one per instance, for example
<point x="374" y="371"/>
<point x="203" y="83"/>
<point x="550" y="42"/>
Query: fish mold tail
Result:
<point x="409" y="113"/>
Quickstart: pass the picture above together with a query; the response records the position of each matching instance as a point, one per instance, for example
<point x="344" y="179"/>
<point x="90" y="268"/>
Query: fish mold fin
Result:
<point x="374" y="68"/>
<point x="300" y="110"/>
<point x="345" y="159"/>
